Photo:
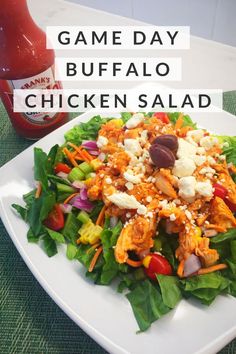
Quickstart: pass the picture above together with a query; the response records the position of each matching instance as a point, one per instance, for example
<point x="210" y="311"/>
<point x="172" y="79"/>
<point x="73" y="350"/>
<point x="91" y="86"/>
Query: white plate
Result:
<point x="99" y="310"/>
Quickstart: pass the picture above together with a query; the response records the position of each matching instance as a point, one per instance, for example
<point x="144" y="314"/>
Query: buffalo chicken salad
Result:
<point x="148" y="199"/>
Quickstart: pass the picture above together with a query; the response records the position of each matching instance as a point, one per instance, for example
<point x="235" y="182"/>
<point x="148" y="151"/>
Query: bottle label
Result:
<point x="44" y="80"/>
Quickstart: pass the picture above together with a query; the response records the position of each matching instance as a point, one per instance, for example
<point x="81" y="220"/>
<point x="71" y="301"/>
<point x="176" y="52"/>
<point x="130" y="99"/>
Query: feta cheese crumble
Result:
<point x="124" y="200"/>
<point x="183" y="167"/>
<point x="102" y="141"/>
<point x="187" y="187"/>
<point x="132" y="146"/>
<point x="135" y="120"/>
<point x="185" y="149"/>
<point x="204" y="188"/>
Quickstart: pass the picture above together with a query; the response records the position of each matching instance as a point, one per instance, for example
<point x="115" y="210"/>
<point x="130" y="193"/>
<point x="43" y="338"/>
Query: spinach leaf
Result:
<point x="111" y="267"/>
<point x="85" y="131"/>
<point x="51" y="159"/>
<point x="23" y="212"/>
<point x="56" y="236"/>
<point x="39" y="210"/>
<point x="31" y="237"/>
<point x="29" y="197"/>
<point x="206" y="281"/>
<point x="233" y="249"/>
<point x="170" y="290"/>
<point x="40" y="167"/>
<point x="71" y="251"/>
<point x="187" y="120"/>
<point x="125" y="116"/>
<point x="71" y="228"/>
<point x="232" y="265"/>
<point x="49" y="246"/>
<point x="147" y="304"/>
<point x="226" y="236"/>
<point x="232" y="288"/>
<point x="206" y="287"/>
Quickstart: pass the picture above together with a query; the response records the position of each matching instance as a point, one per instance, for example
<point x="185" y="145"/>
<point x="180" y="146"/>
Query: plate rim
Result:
<point x="95" y="334"/>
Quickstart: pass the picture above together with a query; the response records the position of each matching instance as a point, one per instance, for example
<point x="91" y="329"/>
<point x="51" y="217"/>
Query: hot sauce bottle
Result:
<point x="25" y="63"/>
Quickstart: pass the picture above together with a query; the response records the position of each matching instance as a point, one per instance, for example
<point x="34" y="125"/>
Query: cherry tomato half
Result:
<point x="162" y="116"/>
<point x="55" y="220"/>
<point x="156" y="264"/>
<point x="220" y="191"/>
<point x="62" y="167"/>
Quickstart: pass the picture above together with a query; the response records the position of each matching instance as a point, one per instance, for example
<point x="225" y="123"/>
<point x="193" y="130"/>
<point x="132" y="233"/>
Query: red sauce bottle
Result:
<point x="25" y="63"/>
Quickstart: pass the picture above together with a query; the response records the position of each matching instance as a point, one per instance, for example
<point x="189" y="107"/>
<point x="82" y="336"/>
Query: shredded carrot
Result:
<point x="215" y="227"/>
<point x="81" y="152"/>
<point x="101" y="216"/>
<point x="70" y="197"/>
<point x="93" y="247"/>
<point x="70" y="157"/>
<point x="86" y="154"/>
<point x="94" y="259"/>
<point x="212" y="268"/>
<point x="184" y="130"/>
<point x="78" y="241"/>
<point x="134" y="264"/>
<point x="38" y="190"/>
<point x="179" y="123"/>
<point x="180" y="270"/>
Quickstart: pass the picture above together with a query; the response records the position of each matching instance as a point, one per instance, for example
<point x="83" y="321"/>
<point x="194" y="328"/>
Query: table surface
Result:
<point x="30" y="322"/>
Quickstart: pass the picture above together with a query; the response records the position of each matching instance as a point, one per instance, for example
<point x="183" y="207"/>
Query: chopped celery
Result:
<point x="86" y="168"/>
<point x="83" y="217"/>
<point x="76" y="174"/>
<point x="64" y="188"/>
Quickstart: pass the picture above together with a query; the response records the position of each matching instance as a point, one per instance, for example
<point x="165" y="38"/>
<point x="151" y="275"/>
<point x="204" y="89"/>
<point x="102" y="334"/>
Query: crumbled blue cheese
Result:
<point x="108" y="180"/>
<point x="211" y="160"/>
<point x="208" y="142"/>
<point x="132" y="146"/>
<point x="183" y="167"/>
<point x="196" y="135"/>
<point x="130" y="177"/>
<point x="129" y="186"/>
<point x="185" y="149"/>
<point x="206" y="170"/>
<point x="102" y="141"/>
<point x="124" y="200"/>
<point x="187" y="187"/>
<point x="135" y="120"/>
<point x="199" y="159"/>
<point x="172" y="217"/>
<point x="204" y="188"/>
<point x="142" y="209"/>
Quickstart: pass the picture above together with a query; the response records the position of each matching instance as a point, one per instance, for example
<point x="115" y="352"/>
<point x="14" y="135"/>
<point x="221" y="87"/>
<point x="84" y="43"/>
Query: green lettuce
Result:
<point x="85" y="131"/>
<point x="186" y="118"/>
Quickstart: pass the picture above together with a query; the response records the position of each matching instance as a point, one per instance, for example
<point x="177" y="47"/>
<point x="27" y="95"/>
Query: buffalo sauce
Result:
<point x="25" y="63"/>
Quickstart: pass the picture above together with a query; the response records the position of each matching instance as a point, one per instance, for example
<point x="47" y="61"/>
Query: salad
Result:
<point x="148" y="199"/>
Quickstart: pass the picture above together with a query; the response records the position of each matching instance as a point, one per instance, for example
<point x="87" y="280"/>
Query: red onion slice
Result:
<point x="83" y="194"/>
<point x="90" y="145"/>
<point x="113" y="221"/>
<point x="94" y="152"/>
<point x="78" y="184"/>
<point x="191" y="265"/>
<point x="102" y="156"/>
<point x="62" y="175"/>
<point x="83" y="204"/>
<point x="66" y="208"/>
